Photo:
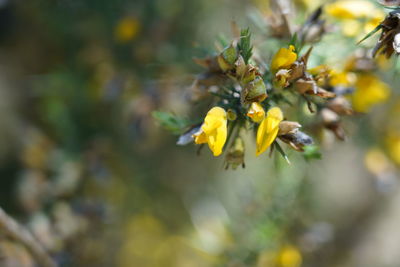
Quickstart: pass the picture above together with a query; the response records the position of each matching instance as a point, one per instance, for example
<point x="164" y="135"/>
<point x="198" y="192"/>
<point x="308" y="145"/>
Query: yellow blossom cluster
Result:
<point x="245" y="93"/>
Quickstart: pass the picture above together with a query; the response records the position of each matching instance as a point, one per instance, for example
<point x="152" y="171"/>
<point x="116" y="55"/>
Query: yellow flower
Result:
<point x="256" y="112"/>
<point x="126" y="29"/>
<point x="351" y="9"/>
<point x="268" y="129"/>
<point x="359" y="17"/>
<point x="284" y="58"/>
<point x="370" y="90"/>
<point x="213" y="131"/>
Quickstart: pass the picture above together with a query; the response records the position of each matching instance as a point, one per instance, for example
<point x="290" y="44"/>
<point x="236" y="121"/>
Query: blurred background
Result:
<point x="87" y="169"/>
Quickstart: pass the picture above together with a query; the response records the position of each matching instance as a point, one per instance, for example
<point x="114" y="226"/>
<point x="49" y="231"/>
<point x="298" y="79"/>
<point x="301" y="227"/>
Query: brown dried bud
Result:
<point x="254" y="91"/>
<point x="297" y="70"/>
<point x="331" y="121"/>
<point x="386" y="44"/>
<point x="231" y="115"/>
<point x="235" y="155"/>
<point x="308" y="85"/>
<point x="286" y="127"/>
<point x="241" y="68"/>
<point x="250" y="74"/>
<point x="226" y="60"/>
<point x="329" y="117"/>
<point x="340" y="105"/>
<point x="314" y="27"/>
<point x="297" y="140"/>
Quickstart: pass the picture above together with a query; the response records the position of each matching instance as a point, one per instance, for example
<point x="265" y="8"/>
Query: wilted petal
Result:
<point x="187" y="137"/>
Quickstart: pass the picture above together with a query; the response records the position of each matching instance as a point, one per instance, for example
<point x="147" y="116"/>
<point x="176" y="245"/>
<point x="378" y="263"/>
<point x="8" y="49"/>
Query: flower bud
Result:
<point x="286" y="127"/>
<point x="231" y="114"/>
<point x="254" y="91"/>
<point x="227" y="59"/>
<point x="256" y="112"/>
<point x="241" y="68"/>
<point x="297" y="140"/>
<point x="340" y="105"/>
<point x="235" y="156"/>
<point x="250" y="74"/>
<point x="281" y="79"/>
<point x="331" y="121"/>
<point x="329" y="117"/>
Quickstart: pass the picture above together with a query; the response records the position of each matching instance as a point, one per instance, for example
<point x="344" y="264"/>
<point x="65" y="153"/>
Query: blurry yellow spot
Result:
<point x="310" y="4"/>
<point x="214" y="130"/>
<point x="256" y="112"/>
<point x="36" y="152"/>
<point x="344" y="79"/>
<point x="126" y="29"/>
<point x="393" y="146"/>
<point x="373" y="22"/>
<point x="268" y="129"/>
<point x="289" y="256"/>
<point x="370" y="91"/>
<point x="351" y="28"/>
<point x="382" y="61"/>
<point x="267" y="259"/>
<point x="358" y="16"/>
<point x="375" y="161"/>
<point x="284" y="58"/>
<point x="143" y="233"/>
<point x="348" y="9"/>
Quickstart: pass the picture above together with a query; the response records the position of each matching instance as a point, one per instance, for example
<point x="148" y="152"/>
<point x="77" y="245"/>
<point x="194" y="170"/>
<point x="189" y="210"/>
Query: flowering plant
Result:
<point x="248" y="91"/>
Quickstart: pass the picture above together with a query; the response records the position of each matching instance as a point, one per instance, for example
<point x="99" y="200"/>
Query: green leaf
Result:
<point x="311" y="152"/>
<point x="296" y="43"/>
<point x="245" y="47"/>
<point x="171" y="122"/>
<point x="293" y="40"/>
<point x="280" y="150"/>
<point x="223" y="40"/>
<point x="377" y="28"/>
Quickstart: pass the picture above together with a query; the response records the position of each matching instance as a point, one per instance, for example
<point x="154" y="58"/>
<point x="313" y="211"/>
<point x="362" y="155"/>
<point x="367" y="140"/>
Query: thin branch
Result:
<point x="16" y="231"/>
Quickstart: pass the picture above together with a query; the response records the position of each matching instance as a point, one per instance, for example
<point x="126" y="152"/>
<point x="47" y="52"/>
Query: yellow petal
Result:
<point x="200" y="137"/>
<point x="217" y="143"/>
<point x="268" y="129"/>
<point x="284" y="58"/>
<point x="214" y="130"/>
<point x="256" y="112"/>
